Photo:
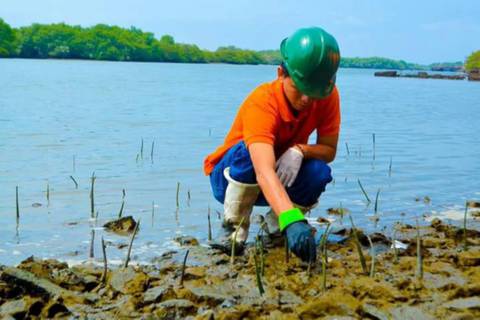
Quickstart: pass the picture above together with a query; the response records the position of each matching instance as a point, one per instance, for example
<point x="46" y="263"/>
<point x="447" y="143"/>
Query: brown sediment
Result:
<point x="214" y="289"/>
<point x="338" y="211"/>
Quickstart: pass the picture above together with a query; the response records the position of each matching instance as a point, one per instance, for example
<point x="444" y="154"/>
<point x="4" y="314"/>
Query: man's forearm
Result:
<point x="263" y="159"/>
<point x="318" y="151"/>
<point x="274" y="191"/>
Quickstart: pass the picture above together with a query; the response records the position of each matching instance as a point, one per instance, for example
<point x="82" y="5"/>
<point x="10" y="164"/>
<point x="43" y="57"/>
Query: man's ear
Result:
<point x="280" y="73"/>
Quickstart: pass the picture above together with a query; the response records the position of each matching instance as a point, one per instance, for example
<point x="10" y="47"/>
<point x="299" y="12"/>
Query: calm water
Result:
<point x="98" y="113"/>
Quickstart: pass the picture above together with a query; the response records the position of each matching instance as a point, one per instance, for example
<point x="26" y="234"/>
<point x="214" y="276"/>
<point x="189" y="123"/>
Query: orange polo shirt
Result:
<point x="265" y="116"/>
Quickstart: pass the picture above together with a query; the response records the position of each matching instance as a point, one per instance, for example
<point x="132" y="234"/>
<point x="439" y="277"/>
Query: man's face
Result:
<point x="297" y="100"/>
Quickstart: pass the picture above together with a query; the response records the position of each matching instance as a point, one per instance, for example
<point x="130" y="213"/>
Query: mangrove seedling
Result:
<point x="92" y="196"/>
<point x="234" y="242"/>
<point x="324" y="268"/>
<point x="105" y="265"/>
<point x="323" y="251"/>
<point x="390" y="168"/>
<point x="342" y="213"/>
<point x="48" y="194"/>
<point x="376" y="201"/>
<point x="92" y="244"/>
<point x="373" y="140"/>
<point x="419" y="273"/>
<point x="141" y="150"/>
<point x="358" y="246"/>
<point x="364" y="192"/>
<point x="324" y="272"/>
<point x="394" y="245"/>
<point x="323" y="240"/>
<point x="348" y="150"/>
<point x="258" y="267"/>
<point x="74" y="181"/>
<point x="153" y="212"/>
<point x="178" y="190"/>
<point x="465" y="245"/>
<point x="184" y="264"/>
<point x="17" y="205"/>
<point x="209" y="225"/>
<point x="129" y="251"/>
<point x="372" y="253"/>
<point x="259" y="249"/>
<point x="120" y="212"/>
<point x="151" y="150"/>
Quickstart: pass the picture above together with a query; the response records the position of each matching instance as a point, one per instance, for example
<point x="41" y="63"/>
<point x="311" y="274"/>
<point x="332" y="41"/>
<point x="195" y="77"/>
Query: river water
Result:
<point x="72" y="118"/>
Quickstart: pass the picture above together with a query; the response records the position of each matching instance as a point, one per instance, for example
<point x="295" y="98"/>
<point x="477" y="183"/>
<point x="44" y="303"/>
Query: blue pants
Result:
<point x="306" y="189"/>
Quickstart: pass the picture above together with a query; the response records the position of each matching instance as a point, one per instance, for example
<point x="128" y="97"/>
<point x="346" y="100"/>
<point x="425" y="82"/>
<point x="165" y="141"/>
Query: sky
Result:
<point x="421" y="31"/>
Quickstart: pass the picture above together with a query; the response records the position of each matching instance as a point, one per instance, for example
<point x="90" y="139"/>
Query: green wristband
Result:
<point x="288" y="217"/>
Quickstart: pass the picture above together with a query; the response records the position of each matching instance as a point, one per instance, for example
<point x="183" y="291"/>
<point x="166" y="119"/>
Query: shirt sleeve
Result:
<point x="260" y="119"/>
<point x="329" y="120"/>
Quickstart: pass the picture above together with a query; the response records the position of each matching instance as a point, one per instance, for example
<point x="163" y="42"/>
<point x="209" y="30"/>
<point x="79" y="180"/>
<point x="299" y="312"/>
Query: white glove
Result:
<point x="288" y="166"/>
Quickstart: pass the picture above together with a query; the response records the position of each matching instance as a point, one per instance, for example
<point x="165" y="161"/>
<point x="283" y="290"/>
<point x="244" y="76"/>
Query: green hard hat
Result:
<point x="311" y="56"/>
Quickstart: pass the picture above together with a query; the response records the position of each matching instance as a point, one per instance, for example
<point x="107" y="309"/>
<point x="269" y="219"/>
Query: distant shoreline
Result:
<point x="206" y="63"/>
<point x="103" y="42"/>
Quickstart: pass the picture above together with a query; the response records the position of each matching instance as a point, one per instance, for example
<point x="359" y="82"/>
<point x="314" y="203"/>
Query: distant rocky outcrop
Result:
<point x="386" y="74"/>
<point x="474" y="75"/>
<point x="420" y="74"/>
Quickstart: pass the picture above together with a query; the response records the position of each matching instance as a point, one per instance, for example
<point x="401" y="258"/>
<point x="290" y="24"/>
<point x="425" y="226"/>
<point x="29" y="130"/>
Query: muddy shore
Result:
<point x="447" y="288"/>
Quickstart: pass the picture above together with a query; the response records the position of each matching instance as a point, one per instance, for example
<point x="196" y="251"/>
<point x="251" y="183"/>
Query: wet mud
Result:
<point x="448" y="286"/>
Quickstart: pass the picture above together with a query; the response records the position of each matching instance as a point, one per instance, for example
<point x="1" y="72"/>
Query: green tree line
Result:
<point x="104" y="42"/>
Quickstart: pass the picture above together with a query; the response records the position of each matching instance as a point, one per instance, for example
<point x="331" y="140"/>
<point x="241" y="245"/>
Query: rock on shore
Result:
<point x="474" y="75"/>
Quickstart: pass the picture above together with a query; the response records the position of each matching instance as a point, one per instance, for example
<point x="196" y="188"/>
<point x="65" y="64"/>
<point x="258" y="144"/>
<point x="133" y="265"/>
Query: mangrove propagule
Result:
<point x="74" y="181"/>
<point x="358" y="246"/>
<point x="364" y="192"/>
<point x="209" y="225"/>
<point x="184" y="264"/>
<point x="105" y="263"/>
<point x="17" y="205"/>
<point x="372" y="254"/>
<point x="234" y="241"/>
<point x="129" y="251"/>
<point x="92" y="196"/>
<point x="419" y="271"/>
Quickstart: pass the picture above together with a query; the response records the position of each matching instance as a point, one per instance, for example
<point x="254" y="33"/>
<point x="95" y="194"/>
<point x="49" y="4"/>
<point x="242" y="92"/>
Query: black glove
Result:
<point x="301" y="241"/>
